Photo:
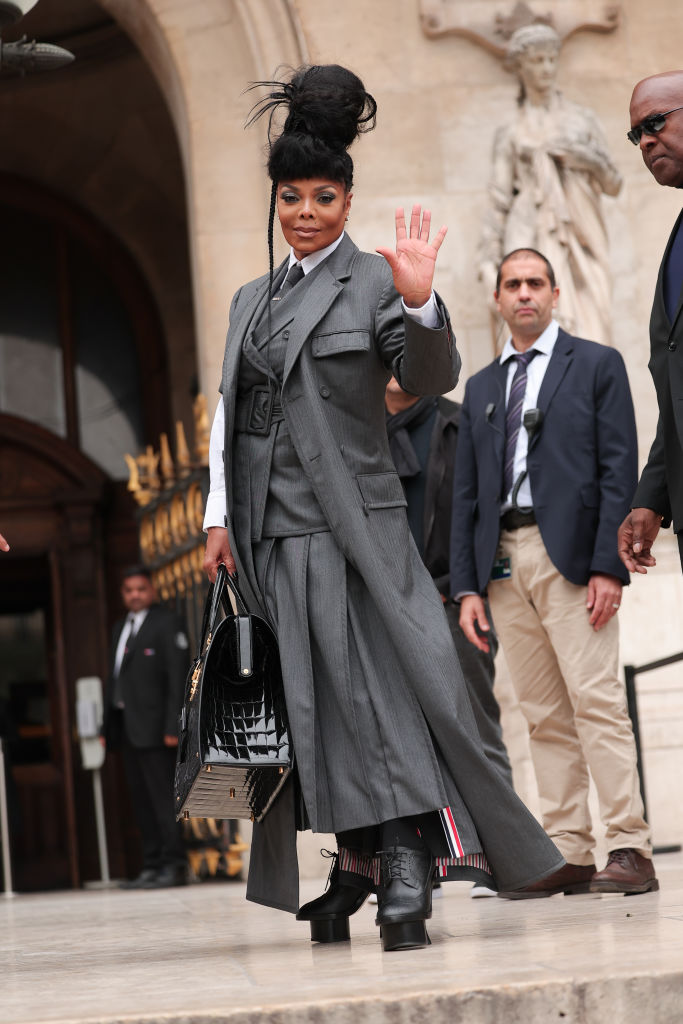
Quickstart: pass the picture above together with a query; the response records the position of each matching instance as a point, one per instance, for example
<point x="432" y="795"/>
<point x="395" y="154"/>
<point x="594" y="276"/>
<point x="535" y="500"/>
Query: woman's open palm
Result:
<point x="413" y="262"/>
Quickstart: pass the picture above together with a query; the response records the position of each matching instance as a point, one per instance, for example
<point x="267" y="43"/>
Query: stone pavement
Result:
<point x="202" y="955"/>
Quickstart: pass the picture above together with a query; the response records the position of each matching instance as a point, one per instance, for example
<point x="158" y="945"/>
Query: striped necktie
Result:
<point x="513" y="416"/>
<point x="294" y="275"/>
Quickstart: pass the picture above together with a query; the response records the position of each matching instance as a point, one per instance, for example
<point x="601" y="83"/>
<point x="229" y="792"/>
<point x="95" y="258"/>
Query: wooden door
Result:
<point x="42" y="854"/>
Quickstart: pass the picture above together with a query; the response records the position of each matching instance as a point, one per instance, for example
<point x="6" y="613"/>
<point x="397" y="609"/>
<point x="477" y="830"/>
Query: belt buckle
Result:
<point x="261" y="410"/>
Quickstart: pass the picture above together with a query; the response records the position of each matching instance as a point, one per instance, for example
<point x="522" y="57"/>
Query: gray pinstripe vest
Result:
<point x="268" y="475"/>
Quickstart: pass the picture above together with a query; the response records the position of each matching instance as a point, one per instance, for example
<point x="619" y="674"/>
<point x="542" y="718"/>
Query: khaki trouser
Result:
<point x="566" y="681"/>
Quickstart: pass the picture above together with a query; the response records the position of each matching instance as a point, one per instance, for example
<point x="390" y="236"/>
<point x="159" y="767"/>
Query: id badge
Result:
<point x="502" y="570"/>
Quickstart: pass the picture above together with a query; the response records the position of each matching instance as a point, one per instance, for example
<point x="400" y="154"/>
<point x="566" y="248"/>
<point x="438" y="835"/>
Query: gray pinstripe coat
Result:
<point x="342" y="344"/>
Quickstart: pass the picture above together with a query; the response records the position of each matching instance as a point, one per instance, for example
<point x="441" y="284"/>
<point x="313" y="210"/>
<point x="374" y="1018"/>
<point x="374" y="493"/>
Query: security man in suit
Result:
<point x="423" y="438"/>
<point x="149" y="664"/>
<point x="545" y="469"/>
<point x="657" y="128"/>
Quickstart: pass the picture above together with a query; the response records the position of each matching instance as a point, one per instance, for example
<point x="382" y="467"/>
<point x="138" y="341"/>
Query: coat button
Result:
<point x="325" y="391"/>
<point x="672" y="346"/>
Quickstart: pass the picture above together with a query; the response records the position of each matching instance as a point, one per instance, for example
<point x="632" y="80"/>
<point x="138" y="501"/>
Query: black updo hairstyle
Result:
<point x="327" y="109"/>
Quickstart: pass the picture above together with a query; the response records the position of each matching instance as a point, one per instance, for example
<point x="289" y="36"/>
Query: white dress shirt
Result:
<point x="535" y="373"/>
<point x="214" y="515"/>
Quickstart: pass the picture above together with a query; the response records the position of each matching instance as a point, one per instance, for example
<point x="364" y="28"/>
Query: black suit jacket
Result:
<point x="661" y="482"/>
<point x="582" y="465"/>
<point x="152" y="678"/>
<point x="438" y="497"/>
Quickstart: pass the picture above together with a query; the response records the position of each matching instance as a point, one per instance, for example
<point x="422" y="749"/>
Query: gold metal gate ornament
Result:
<point x="171" y="495"/>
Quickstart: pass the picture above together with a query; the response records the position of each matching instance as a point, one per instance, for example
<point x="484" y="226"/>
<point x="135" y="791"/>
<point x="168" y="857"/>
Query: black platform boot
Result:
<point x="329" y="914"/>
<point x="405" y="898"/>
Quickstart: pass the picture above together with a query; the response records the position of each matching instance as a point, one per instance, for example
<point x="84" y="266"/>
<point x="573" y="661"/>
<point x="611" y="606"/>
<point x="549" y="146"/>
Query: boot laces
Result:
<point x="333" y="857"/>
<point x="394" y="865"/>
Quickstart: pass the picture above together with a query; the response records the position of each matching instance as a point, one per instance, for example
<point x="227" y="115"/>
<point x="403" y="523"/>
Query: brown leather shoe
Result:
<point x="570" y="879"/>
<point x="627" y="871"/>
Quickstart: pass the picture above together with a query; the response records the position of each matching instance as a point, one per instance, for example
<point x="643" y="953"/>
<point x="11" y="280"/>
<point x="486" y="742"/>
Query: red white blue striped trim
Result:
<point x="470" y="860"/>
<point x="451" y="830"/>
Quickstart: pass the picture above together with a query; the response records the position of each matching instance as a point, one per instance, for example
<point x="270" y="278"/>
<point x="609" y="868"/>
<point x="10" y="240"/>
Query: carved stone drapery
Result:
<point x="483" y="23"/>
<point x="550" y="168"/>
<point x="550" y="163"/>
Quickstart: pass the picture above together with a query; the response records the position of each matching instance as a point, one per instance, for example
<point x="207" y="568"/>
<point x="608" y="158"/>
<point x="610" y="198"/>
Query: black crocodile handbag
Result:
<point x="234" y="753"/>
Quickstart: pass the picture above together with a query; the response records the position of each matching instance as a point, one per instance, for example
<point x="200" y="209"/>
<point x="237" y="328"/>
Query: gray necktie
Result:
<point x="294" y="275"/>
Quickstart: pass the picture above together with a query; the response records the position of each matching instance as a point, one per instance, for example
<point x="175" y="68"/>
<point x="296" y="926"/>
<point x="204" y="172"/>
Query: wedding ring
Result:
<point x="615" y="605"/>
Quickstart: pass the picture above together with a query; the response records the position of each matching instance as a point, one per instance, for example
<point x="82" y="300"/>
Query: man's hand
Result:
<point x="217" y="552"/>
<point x="4" y="546"/>
<point x="170" y="741"/>
<point x="473" y="614"/>
<point x="413" y="262"/>
<point x="604" y="598"/>
<point x="635" y="538"/>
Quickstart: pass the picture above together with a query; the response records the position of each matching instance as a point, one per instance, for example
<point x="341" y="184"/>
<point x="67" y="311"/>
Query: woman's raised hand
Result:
<point x="414" y="260"/>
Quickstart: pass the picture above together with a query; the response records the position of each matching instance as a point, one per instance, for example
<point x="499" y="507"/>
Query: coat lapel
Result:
<point x="558" y="364"/>
<point x="133" y="642"/>
<point x="248" y="318"/>
<point x="282" y="311"/>
<point x="496" y="416"/>
<point x="322" y="292"/>
<point x="659" y="290"/>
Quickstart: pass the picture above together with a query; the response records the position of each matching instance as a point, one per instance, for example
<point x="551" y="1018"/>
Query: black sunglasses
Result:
<point x="649" y="126"/>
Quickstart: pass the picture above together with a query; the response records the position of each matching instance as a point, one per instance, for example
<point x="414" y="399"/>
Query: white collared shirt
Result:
<point x="535" y="373"/>
<point x="214" y="515"/>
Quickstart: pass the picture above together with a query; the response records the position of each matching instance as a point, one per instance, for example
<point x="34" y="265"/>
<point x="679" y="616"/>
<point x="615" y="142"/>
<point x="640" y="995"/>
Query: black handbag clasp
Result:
<point x="245" y="646"/>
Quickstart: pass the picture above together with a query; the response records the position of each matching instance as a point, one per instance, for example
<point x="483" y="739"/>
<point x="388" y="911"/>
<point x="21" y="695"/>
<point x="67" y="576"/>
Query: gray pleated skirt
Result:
<point x="363" y="749"/>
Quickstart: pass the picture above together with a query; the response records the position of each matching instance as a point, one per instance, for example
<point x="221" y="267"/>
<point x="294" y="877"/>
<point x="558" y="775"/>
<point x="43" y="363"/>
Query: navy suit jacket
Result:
<point x="582" y="465"/>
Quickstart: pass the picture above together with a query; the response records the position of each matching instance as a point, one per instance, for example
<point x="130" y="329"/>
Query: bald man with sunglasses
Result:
<point x="657" y="129"/>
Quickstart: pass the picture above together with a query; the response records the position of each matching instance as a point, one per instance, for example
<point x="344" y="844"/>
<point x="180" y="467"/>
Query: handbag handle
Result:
<point x="215" y="597"/>
<point x="233" y="584"/>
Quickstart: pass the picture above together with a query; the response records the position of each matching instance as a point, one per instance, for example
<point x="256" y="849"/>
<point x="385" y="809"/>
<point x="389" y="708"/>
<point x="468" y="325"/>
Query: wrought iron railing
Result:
<point x="630" y="674"/>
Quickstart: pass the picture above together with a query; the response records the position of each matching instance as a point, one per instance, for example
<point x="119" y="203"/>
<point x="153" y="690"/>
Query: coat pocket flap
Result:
<point x="381" y="490"/>
<point x="340" y="341"/>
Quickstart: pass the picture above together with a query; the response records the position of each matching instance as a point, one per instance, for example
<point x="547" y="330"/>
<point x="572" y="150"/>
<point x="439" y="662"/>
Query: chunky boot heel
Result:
<point x="329" y="914"/>
<point x="330" y="931"/>
<point x="406" y="935"/>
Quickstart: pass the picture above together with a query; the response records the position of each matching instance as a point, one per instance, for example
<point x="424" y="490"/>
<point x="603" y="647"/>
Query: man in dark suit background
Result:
<point x="149" y="663"/>
<point x="657" y="128"/>
<point x="423" y="437"/>
<point x="545" y="470"/>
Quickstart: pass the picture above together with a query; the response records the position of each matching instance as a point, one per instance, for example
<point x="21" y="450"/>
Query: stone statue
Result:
<point x="550" y="168"/>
